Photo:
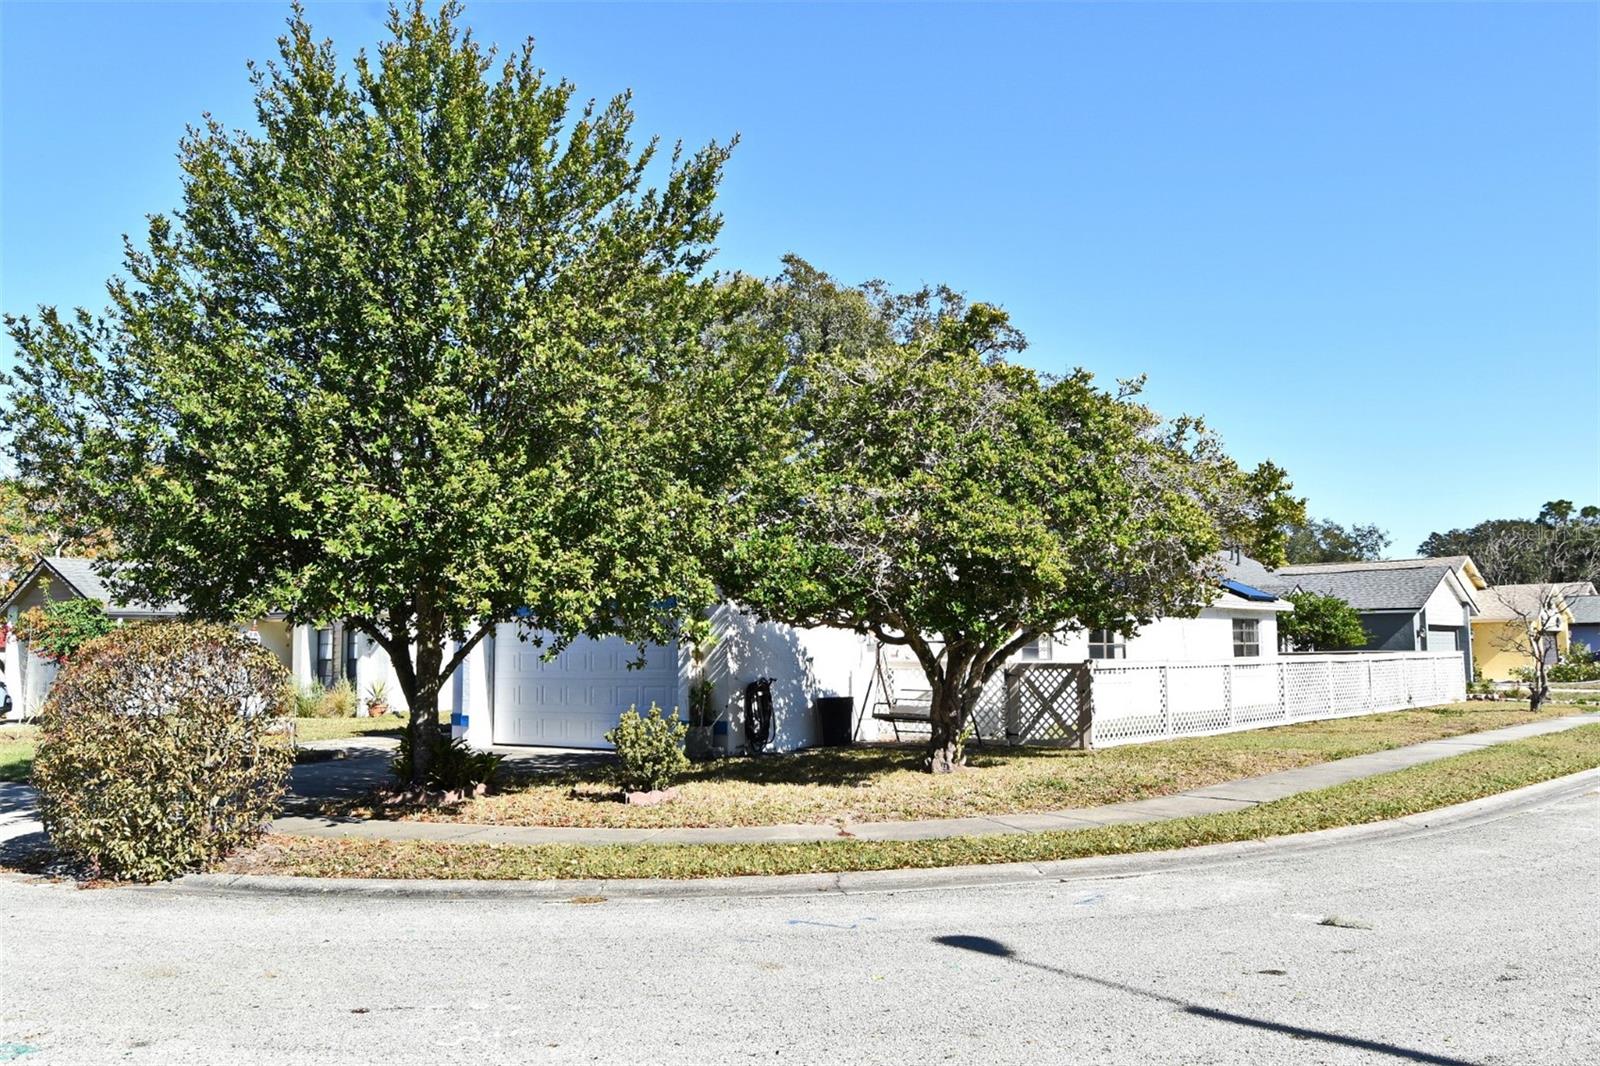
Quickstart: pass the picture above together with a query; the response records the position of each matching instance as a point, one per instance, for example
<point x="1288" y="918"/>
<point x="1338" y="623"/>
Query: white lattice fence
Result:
<point x="989" y="715"/>
<point x="1135" y="702"/>
<point x="1139" y="696"/>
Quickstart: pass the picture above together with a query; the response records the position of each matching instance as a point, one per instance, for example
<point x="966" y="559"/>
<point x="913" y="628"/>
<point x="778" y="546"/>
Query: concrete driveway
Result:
<point x="1474" y="944"/>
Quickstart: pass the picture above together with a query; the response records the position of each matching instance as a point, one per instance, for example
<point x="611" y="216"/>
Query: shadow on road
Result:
<point x="986" y="946"/>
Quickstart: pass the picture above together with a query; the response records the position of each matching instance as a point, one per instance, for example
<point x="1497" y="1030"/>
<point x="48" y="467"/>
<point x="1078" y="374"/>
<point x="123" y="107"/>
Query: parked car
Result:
<point x="5" y="702"/>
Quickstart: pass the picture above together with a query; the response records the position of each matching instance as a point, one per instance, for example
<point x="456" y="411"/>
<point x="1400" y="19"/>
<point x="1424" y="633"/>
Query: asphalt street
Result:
<point x="1474" y="944"/>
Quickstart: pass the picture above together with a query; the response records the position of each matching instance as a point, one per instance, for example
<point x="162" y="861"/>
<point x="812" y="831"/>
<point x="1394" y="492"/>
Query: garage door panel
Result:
<point x="574" y="699"/>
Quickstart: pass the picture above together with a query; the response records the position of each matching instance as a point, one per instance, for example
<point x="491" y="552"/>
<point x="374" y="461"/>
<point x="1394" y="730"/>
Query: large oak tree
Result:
<point x="423" y="350"/>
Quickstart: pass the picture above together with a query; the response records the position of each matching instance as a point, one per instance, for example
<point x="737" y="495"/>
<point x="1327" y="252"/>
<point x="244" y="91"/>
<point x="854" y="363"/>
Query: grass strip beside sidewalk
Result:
<point x="1459" y="779"/>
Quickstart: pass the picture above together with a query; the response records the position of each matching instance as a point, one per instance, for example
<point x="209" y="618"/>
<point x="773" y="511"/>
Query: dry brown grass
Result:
<point x="881" y="783"/>
<point x="1478" y="773"/>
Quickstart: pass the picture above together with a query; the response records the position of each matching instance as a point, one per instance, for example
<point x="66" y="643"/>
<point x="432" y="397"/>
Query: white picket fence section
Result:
<point x="1135" y="702"/>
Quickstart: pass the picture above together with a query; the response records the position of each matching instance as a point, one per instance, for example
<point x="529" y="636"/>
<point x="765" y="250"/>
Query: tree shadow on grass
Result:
<point x="983" y="945"/>
<point x="830" y="767"/>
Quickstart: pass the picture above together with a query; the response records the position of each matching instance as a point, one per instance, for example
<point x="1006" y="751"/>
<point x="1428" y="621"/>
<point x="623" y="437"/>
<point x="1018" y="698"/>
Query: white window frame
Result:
<point x="1107" y="644"/>
<point x="1246" y="638"/>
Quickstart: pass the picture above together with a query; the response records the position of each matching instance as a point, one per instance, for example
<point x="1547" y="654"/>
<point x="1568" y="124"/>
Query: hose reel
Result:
<point x="758" y="714"/>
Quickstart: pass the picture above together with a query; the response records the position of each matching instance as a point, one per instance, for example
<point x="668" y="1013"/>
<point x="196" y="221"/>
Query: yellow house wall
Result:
<point x="1495" y="662"/>
<point x="275" y="637"/>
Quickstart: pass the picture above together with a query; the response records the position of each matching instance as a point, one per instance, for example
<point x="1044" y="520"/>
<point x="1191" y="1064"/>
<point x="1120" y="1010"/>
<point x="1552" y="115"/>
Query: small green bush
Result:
<point x="1579" y="664"/>
<point x="303" y="701"/>
<point x="59" y="628"/>
<point x="650" y="748"/>
<point x="314" y="701"/>
<point x="338" y="701"/>
<point x="456" y="766"/>
<point x="161" y="749"/>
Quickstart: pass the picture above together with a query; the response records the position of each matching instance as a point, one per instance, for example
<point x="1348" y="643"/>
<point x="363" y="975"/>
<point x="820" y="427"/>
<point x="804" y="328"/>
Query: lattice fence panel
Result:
<point x="1390" y="684"/>
<point x="1307" y="689"/>
<point x="1130" y="705"/>
<point x="1135" y="702"/>
<point x="1350" y="687"/>
<point x="1256" y="695"/>
<point x="1047" y="703"/>
<point x="989" y="716"/>
<point x="1197" y="698"/>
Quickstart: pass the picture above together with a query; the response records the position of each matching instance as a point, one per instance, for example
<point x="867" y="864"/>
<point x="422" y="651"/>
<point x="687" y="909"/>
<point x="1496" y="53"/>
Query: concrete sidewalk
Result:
<point x="1212" y="799"/>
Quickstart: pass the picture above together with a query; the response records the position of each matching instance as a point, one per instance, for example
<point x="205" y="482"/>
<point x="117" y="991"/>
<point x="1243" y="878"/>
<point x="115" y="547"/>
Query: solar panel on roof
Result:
<point x="1249" y="592"/>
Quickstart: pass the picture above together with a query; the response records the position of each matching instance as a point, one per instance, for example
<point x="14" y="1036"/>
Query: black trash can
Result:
<point x="837" y="714"/>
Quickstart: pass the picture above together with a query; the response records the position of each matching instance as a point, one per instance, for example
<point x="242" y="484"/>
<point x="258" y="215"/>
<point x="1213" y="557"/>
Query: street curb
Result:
<point x="1444" y="819"/>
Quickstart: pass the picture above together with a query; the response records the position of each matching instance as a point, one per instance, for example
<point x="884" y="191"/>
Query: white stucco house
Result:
<point x="508" y="693"/>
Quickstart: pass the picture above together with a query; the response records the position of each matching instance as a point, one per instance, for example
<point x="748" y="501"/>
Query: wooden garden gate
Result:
<point x="1049" y="703"/>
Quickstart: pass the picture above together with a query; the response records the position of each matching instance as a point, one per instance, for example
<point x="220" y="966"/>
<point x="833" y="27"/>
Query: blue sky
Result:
<point x="1360" y="239"/>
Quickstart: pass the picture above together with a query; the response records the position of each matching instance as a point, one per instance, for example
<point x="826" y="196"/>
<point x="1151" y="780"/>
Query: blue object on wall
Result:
<point x="1249" y="592"/>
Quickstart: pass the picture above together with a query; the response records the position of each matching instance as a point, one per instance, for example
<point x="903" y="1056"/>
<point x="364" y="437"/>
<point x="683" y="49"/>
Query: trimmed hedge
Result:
<point x="160" y="750"/>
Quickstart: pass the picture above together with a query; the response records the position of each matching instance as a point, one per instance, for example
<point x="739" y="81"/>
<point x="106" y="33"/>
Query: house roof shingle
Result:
<point x="81" y="575"/>
<point x="1585" y="610"/>
<point x="1508" y="602"/>
<point x="1388" y="585"/>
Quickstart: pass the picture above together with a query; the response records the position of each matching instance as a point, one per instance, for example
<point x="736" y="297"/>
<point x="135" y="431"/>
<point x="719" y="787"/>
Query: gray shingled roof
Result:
<point x="1387" y="585"/>
<point x="1246" y="570"/>
<point x="1585" y="610"/>
<point x="81" y="575"/>
<point x="1507" y="602"/>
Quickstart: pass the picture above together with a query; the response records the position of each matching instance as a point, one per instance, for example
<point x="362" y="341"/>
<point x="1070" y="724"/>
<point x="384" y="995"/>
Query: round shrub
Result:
<point x="649" y="749"/>
<point x="161" y="749"/>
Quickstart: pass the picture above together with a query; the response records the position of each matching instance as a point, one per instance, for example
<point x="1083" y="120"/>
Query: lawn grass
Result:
<point x="16" y="751"/>
<point x="347" y="728"/>
<point x="1458" y="779"/>
<point x="882" y="783"/>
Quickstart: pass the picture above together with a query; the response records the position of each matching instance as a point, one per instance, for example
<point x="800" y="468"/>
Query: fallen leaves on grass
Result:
<point x="1449" y="781"/>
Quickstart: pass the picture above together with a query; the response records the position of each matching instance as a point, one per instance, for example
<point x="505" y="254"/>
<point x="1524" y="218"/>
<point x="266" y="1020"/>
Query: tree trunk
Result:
<point x="946" y="721"/>
<point x="423" y="730"/>
<point x="424" y="725"/>
<point x="949" y="716"/>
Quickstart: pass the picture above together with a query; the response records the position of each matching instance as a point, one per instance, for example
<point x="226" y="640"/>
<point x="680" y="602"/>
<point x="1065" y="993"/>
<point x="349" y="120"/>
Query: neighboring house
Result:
<point x="1404" y="604"/>
<point x="313" y="655"/>
<point x="1585" y="628"/>
<point x="57" y="578"/>
<point x="1511" y="615"/>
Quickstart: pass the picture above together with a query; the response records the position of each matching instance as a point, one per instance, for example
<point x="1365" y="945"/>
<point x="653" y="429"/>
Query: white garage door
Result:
<point x="573" y="700"/>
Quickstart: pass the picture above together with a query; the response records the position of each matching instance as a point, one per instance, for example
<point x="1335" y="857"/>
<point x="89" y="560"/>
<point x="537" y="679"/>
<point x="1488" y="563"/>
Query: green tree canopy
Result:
<point x="422" y="351"/>
<point x="1518" y="551"/>
<point x="32" y="525"/>
<point x="1321" y="623"/>
<point x="943" y="498"/>
<point x="1323" y="541"/>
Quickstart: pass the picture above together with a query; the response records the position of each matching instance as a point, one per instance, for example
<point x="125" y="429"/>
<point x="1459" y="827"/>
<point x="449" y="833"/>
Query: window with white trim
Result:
<point x="1107" y="644"/>
<point x="324" y="660"/>
<point x="1246" y="638"/>
<point x="1041" y="648"/>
